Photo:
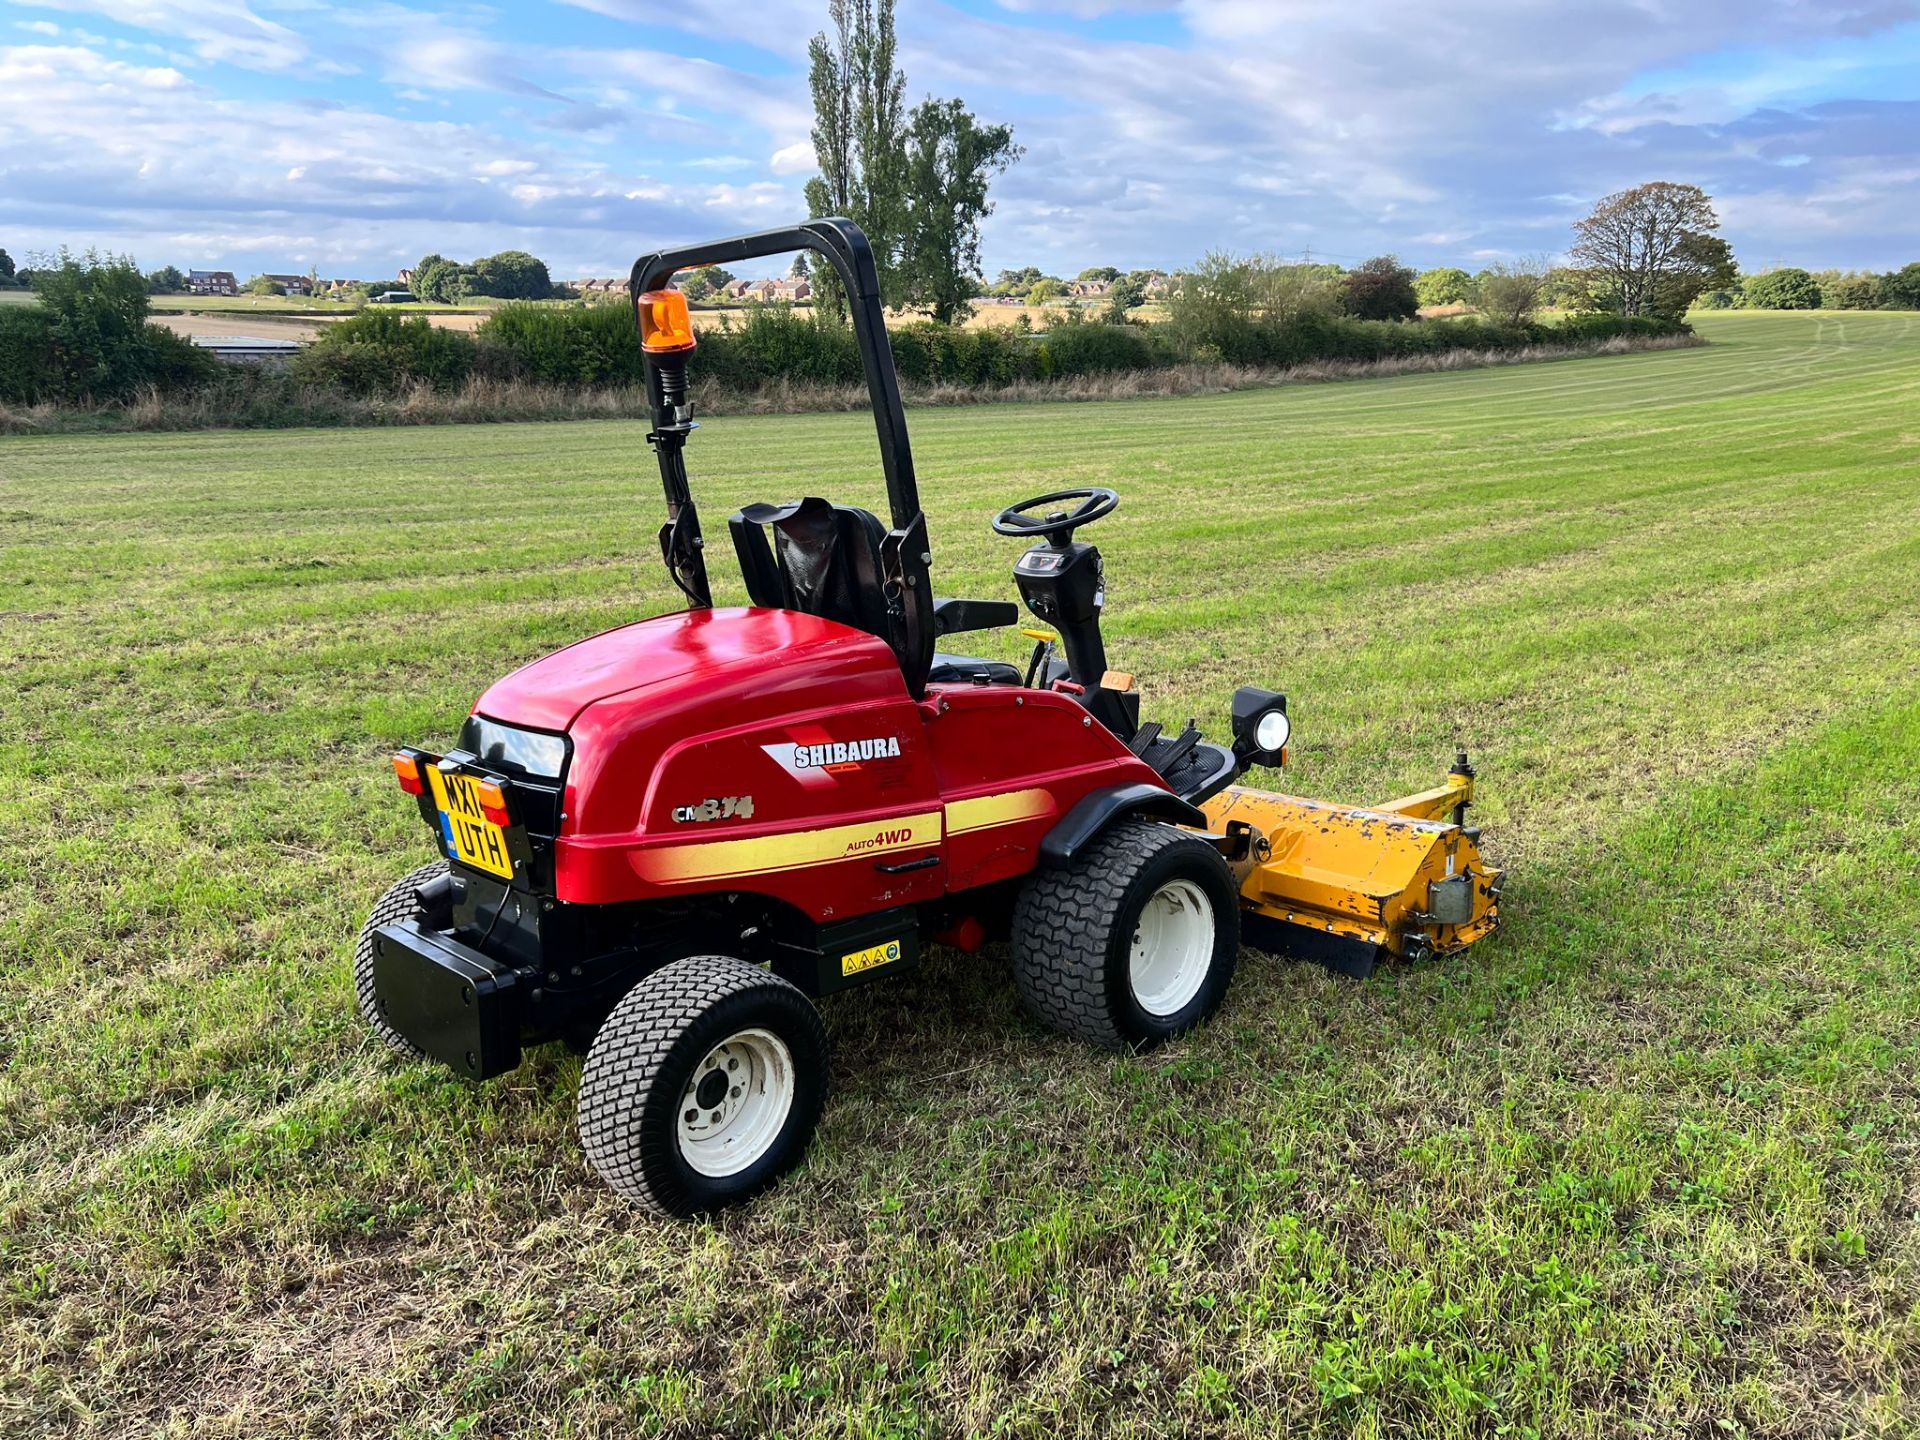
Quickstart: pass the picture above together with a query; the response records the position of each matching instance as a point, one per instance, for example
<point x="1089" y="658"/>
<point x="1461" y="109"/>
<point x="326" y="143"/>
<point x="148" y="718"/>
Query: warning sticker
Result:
<point x="870" y="958"/>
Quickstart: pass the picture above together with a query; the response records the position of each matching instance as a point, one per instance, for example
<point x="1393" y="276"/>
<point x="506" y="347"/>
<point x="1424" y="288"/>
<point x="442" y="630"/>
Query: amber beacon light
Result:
<point x="665" y="326"/>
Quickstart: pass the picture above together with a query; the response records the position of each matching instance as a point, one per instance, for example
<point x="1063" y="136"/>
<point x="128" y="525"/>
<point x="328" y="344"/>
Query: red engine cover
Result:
<point x="775" y="752"/>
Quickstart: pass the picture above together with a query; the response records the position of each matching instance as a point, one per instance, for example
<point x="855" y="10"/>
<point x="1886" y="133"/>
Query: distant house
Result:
<point x="1087" y="289"/>
<point x="212" y="282"/>
<point x="405" y="277"/>
<point x="293" y="284"/>
<point x="769" y="292"/>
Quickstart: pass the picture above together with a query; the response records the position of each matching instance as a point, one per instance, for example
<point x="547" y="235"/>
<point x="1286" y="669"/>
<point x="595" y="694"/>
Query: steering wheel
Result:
<point x="1058" y="525"/>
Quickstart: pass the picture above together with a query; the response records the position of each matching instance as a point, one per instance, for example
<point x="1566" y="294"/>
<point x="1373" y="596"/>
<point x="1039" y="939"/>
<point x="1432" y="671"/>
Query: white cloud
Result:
<point x="222" y="31"/>
<point x="795" y="159"/>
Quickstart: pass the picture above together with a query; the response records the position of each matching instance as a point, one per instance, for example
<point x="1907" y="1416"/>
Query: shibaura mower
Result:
<point x="662" y="844"/>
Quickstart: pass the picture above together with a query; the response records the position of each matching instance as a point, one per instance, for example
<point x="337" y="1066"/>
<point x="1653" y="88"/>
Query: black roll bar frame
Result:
<point x="904" y="555"/>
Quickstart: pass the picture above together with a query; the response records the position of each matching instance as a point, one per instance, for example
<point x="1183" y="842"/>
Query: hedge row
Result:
<point x="381" y="351"/>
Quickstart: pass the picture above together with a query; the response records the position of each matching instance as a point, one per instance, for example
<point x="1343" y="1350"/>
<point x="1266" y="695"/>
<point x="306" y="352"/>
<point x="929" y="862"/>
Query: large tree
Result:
<point x="1789" y="288"/>
<point x="6" y="268"/>
<point x="859" y="136"/>
<point x="1651" y="250"/>
<point x="1509" y="292"/>
<point x="1446" y="285"/>
<point x="1381" y="289"/>
<point x="511" y="275"/>
<point x="951" y="158"/>
<point x="1901" y="288"/>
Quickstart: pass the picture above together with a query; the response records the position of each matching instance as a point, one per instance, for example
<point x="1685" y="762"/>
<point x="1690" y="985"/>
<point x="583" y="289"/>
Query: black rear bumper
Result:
<point x="452" y="1001"/>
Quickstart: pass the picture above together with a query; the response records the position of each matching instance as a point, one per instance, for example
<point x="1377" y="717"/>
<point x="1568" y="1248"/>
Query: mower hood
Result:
<point x="678" y="650"/>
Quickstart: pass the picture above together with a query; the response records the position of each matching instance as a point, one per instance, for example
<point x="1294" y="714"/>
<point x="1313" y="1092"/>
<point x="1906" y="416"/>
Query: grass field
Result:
<point x="1648" y="1163"/>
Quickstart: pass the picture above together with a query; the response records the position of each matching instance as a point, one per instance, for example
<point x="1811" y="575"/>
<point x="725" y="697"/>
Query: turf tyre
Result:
<point x="1075" y="928"/>
<point x="402" y="902"/>
<point x="643" y="1064"/>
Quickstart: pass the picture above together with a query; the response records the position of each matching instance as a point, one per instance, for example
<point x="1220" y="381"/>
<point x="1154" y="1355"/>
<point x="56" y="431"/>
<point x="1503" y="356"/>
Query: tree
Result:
<point x="859" y="136"/>
<point x="1099" y="272"/>
<point x="705" y="283"/>
<point x="510" y="275"/>
<point x="1651" y="250"/>
<point x="1381" y="289"/>
<point x="1446" y="285"/>
<point x="951" y="159"/>
<point x="1127" y="292"/>
<point x="1789" y="288"/>
<point x="6" y="268"/>
<point x="1508" y="294"/>
<point x="167" y="280"/>
<point x="1044" y="290"/>
<point x="434" y="278"/>
<point x="1900" y="290"/>
<point x="1017" y="282"/>
<point x="261" y="285"/>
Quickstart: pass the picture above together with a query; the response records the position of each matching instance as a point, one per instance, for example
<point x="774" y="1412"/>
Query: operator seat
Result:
<point x="825" y="561"/>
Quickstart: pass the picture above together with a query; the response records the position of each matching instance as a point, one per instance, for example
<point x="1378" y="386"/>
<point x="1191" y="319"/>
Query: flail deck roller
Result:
<point x="1341" y="884"/>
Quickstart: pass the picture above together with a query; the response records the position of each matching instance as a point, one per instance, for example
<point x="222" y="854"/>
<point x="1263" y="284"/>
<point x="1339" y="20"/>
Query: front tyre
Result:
<point x="704" y="1085"/>
<point x="1134" y="942"/>
<point x="402" y="902"/>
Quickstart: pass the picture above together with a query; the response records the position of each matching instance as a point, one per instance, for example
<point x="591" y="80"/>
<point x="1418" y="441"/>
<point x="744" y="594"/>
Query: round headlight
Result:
<point x="1272" y="731"/>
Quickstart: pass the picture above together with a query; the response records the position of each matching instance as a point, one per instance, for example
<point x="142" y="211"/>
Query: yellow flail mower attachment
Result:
<point x="1344" y="885"/>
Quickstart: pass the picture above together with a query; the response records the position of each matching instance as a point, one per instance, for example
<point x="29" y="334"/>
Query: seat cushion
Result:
<point x="963" y="670"/>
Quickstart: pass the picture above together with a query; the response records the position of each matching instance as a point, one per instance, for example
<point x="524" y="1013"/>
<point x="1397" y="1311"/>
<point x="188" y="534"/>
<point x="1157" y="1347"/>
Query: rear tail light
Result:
<point x="493" y="802"/>
<point x="407" y="769"/>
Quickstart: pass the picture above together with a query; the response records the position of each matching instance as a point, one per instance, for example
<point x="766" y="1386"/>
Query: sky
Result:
<point x="288" y="135"/>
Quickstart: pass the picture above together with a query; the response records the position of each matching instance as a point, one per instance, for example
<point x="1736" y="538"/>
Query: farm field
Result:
<point x="1646" y="1163"/>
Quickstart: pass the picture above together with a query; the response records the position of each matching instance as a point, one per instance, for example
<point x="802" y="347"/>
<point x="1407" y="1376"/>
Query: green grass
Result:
<point x="1648" y="1163"/>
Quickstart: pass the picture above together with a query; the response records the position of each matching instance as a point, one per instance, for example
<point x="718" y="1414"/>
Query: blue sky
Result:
<point x="288" y="134"/>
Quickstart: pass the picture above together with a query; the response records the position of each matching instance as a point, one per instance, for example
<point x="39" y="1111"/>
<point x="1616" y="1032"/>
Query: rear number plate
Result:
<point x="473" y="839"/>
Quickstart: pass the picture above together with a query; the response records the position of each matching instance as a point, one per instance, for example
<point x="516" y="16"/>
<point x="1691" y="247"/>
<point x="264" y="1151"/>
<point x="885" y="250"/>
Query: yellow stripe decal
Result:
<point x="723" y="859"/>
<point x="983" y="812"/>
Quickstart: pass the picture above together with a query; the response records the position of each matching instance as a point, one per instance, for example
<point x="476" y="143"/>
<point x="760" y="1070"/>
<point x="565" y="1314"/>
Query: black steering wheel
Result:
<point x="1059" y="525"/>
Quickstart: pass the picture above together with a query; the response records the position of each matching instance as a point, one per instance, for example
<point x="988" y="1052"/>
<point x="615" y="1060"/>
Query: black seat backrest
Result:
<point x="825" y="561"/>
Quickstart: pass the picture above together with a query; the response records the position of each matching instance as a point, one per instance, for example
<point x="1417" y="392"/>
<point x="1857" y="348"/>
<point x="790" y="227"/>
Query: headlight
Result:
<point x="1260" y="726"/>
<point x="532" y="752"/>
<point x="1271" y="731"/>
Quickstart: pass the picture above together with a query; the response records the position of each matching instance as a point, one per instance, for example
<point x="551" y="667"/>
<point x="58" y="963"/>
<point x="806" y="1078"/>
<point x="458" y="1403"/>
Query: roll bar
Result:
<point x="904" y="554"/>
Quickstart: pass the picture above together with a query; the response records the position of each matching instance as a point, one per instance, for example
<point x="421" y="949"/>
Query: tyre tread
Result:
<point x="399" y="903"/>
<point x="1063" y="926"/>
<point x="629" y="1054"/>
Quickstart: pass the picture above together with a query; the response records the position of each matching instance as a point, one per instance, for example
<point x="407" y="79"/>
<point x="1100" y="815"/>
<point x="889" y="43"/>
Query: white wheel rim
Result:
<point x="1172" y="948"/>
<point x="747" y="1083"/>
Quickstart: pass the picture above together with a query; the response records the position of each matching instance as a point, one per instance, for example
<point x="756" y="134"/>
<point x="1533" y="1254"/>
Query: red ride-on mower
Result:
<point x="662" y="843"/>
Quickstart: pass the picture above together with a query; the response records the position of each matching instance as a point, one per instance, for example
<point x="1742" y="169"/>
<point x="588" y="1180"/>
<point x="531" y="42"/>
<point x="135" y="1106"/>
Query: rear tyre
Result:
<point x="704" y="1085"/>
<point x="402" y="902"/>
<point x="1134" y="942"/>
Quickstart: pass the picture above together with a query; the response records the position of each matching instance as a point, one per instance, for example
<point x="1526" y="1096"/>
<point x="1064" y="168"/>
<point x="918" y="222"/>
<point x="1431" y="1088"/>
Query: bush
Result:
<point x="88" y="339"/>
<point x="774" y="342"/>
<point x="1085" y="347"/>
<point x="584" y="345"/>
<point x="1787" y="289"/>
<point x="927" y="353"/>
<point x="381" y="351"/>
<point x="26" y="353"/>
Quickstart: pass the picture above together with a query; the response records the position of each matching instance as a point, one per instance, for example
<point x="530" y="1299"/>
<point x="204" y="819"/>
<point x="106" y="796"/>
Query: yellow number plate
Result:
<point x="477" y="841"/>
<point x="869" y="958"/>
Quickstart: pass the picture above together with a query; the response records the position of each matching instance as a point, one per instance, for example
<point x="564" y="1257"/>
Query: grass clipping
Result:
<point x="263" y="404"/>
